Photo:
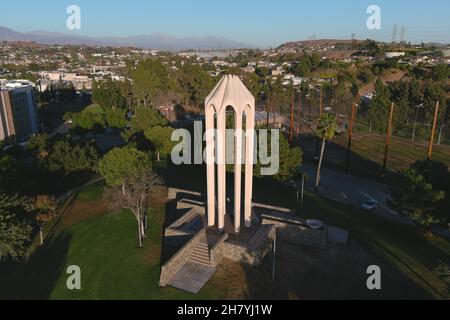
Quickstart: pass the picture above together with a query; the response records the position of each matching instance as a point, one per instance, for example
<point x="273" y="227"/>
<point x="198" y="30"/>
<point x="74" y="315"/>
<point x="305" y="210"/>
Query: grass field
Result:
<point x="92" y="192"/>
<point x="105" y="248"/>
<point x="368" y="152"/>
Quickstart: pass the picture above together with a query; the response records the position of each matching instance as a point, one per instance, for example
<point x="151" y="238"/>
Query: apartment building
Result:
<point x="18" y="110"/>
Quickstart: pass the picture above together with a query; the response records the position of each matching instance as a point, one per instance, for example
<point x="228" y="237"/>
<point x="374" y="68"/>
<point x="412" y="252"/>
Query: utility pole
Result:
<point x="350" y="134"/>
<point x="299" y="114"/>
<point x="388" y="141"/>
<point x="444" y="115"/>
<point x="433" y="131"/>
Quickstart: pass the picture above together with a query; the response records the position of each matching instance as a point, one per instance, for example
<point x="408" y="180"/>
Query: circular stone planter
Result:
<point x="315" y="224"/>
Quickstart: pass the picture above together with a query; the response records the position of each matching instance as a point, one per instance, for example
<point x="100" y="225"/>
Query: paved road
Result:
<point x="352" y="190"/>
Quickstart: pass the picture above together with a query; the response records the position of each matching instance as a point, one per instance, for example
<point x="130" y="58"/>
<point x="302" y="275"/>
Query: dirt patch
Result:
<point x="80" y="211"/>
<point x="152" y="253"/>
<point x="157" y="202"/>
<point x="307" y="273"/>
<point x="231" y="278"/>
<point x="388" y="76"/>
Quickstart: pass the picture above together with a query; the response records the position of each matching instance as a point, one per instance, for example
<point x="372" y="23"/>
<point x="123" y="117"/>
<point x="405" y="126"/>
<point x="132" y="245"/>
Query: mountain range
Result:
<point x="151" y="41"/>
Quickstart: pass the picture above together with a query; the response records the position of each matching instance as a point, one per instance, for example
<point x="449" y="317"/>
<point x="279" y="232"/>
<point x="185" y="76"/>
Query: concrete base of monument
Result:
<point x="196" y="244"/>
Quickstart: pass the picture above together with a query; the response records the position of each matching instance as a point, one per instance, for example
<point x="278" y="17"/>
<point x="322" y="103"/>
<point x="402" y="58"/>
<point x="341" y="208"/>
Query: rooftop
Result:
<point x="14" y="84"/>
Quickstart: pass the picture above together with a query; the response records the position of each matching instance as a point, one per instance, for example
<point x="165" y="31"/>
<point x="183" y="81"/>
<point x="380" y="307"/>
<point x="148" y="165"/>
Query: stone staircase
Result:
<point x="200" y="254"/>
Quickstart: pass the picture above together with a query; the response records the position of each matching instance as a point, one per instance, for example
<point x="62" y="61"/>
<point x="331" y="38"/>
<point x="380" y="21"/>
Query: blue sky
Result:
<point x="256" y="22"/>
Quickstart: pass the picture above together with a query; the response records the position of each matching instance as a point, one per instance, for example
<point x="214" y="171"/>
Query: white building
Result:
<point x="390" y="55"/>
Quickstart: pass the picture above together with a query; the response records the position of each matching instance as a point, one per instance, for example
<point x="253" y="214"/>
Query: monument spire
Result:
<point x="229" y="92"/>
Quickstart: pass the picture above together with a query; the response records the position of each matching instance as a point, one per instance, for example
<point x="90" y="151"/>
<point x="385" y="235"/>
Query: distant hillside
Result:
<point x="316" y="43"/>
<point x="151" y="41"/>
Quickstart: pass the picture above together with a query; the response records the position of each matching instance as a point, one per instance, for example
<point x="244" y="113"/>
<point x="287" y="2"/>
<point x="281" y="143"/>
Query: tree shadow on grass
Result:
<point x="402" y="248"/>
<point x="36" y="278"/>
<point x="337" y="273"/>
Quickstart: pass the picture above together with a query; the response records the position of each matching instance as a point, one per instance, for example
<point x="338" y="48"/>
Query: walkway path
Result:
<point x="197" y="271"/>
<point x="192" y="277"/>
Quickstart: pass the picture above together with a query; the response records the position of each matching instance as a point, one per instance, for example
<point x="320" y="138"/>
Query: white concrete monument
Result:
<point x="229" y="92"/>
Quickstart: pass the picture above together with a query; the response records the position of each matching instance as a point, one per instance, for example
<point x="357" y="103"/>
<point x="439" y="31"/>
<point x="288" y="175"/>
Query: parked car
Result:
<point x="370" y="205"/>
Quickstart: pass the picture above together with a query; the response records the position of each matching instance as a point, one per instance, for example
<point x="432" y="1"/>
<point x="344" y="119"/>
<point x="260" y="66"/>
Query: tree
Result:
<point x="354" y="91"/>
<point x="365" y="75"/>
<point x="123" y="163"/>
<point x="289" y="159"/>
<point x="326" y="130"/>
<point x="89" y="121"/>
<point x="373" y="48"/>
<point x="145" y="118"/>
<point x="44" y="207"/>
<point x="116" y="118"/>
<point x="262" y="72"/>
<point x="150" y="79"/>
<point x="134" y="197"/>
<point x="253" y="83"/>
<point x="438" y="175"/>
<point x="339" y="93"/>
<point x="108" y="95"/>
<point x="417" y="198"/>
<point x="441" y="72"/>
<point x="379" y="107"/>
<point x="38" y="145"/>
<point x="15" y="231"/>
<point x="13" y="170"/>
<point x="161" y="138"/>
<point x="433" y="91"/>
<point x="303" y="69"/>
<point x="72" y="160"/>
<point x="194" y="84"/>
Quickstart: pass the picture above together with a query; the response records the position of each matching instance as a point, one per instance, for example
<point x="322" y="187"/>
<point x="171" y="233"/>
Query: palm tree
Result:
<point x="326" y="130"/>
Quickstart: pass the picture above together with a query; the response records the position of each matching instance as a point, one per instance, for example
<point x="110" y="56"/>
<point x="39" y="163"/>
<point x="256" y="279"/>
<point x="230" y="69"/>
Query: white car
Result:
<point x="370" y="205"/>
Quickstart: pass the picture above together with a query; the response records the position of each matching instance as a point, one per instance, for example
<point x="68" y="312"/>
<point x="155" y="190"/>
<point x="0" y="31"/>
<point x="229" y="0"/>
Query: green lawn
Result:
<point x="112" y="266"/>
<point x="105" y="248"/>
<point x="92" y="192"/>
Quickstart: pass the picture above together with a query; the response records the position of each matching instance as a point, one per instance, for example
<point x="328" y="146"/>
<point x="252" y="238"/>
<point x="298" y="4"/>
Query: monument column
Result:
<point x="230" y="91"/>
<point x="249" y="158"/>
<point x="237" y="172"/>
<point x="210" y="164"/>
<point x="221" y="167"/>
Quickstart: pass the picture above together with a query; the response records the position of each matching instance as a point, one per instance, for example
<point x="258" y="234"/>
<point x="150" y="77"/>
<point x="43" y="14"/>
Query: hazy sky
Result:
<point x="256" y="22"/>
